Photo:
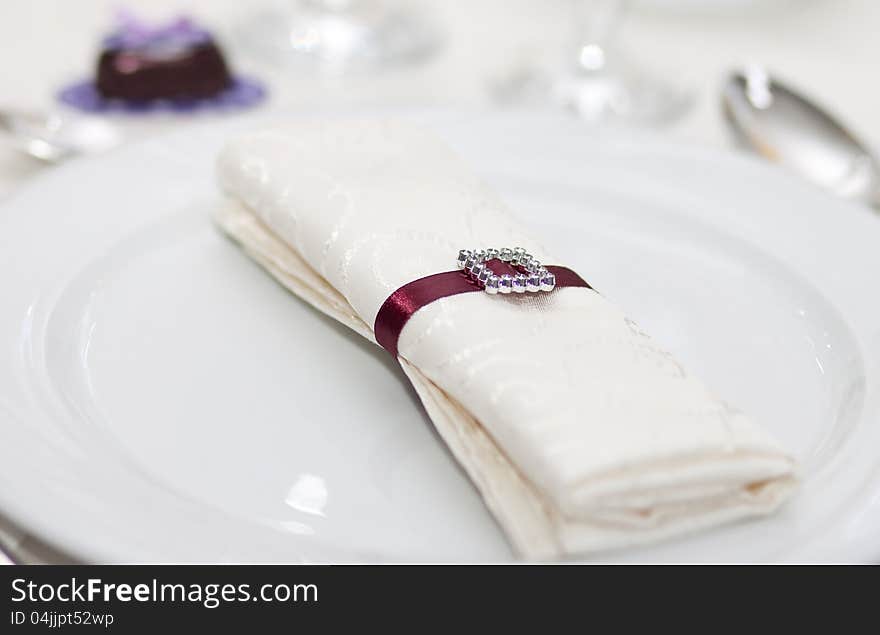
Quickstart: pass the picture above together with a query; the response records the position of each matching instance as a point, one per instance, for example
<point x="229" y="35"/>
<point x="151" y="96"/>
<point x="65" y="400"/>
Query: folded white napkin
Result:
<point x="580" y="433"/>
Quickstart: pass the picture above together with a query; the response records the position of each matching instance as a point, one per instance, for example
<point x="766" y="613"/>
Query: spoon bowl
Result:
<point x="772" y="119"/>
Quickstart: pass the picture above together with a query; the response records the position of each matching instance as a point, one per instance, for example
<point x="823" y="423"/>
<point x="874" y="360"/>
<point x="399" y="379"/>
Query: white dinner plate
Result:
<point x="162" y="399"/>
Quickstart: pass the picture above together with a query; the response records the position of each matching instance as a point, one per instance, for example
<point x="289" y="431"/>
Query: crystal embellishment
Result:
<point x="532" y="276"/>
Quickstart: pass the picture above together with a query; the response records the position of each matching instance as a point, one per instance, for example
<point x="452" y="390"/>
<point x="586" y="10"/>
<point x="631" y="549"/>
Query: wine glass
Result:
<point x="597" y="81"/>
<point x="340" y="35"/>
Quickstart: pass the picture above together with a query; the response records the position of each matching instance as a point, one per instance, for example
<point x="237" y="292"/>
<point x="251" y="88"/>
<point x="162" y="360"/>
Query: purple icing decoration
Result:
<point x="243" y="92"/>
<point x="133" y="33"/>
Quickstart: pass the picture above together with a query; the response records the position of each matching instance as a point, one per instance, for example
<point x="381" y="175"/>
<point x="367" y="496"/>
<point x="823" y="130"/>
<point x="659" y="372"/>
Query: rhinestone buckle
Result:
<point x="532" y="276"/>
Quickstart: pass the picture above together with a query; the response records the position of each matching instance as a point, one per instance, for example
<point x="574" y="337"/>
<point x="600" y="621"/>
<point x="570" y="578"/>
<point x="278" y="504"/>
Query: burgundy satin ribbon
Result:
<point x="403" y="303"/>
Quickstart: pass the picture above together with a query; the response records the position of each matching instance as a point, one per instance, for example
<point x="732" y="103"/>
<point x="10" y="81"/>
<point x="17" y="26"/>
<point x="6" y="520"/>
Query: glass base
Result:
<point x="364" y="35"/>
<point x="611" y="93"/>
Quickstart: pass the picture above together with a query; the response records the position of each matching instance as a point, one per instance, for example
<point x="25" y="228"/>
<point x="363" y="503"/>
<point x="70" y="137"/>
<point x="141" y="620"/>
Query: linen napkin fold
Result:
<point x="579" y="431"/>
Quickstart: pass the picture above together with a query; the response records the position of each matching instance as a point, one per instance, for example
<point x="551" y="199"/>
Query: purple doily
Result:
<point x="244" y="92"/>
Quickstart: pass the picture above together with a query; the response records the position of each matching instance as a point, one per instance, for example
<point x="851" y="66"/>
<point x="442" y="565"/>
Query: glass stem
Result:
<point x="597" y="23"/>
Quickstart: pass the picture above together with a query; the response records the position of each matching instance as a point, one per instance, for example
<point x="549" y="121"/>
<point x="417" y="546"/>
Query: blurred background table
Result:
<point x="828" y="48"/>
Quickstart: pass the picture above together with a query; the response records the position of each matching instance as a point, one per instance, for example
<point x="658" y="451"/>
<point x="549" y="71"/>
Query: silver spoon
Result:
<point x="53" y="138"/>
<point x="785" y="127"/>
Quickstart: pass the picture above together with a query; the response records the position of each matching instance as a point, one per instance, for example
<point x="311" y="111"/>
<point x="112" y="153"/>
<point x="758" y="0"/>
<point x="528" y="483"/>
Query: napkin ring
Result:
<point x="494" y="271"/>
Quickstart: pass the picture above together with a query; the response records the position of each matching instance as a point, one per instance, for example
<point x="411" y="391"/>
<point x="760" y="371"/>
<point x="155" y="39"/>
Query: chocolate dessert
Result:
<point x="179" y="61"/>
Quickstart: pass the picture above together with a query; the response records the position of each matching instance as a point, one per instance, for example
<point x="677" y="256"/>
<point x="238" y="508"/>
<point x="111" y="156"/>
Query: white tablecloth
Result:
<point x="827" y="47"/>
